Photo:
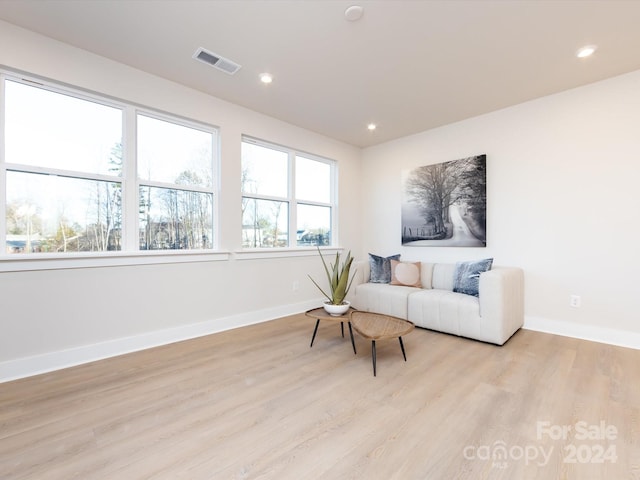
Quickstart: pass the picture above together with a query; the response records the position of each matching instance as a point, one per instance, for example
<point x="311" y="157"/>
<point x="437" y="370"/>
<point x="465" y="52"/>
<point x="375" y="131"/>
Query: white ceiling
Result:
<point x="407" y="65"/>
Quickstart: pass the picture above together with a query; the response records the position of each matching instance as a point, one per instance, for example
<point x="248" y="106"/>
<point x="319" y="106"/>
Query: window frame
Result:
<point x="291" y="198"/>
<point x="130" y="252"/>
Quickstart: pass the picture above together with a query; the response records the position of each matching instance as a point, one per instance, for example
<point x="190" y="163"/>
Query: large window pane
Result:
<point x="307" y="196"/>
<point x="264" y="223"/>
<point x="172" y="153"/>
<point x="52" y="130"/>
<point x="47" y="213"/>
<point x="314" y="225"/>
<point x="313" y="180"/>
<point x="66" y="170"/>
<point x="264" y="171"/>
<point x="172" y="219"/>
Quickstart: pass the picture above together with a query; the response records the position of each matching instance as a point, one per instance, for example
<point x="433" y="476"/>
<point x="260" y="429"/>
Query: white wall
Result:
<point x="52" y="318"/>
<point x="563" y="175"/>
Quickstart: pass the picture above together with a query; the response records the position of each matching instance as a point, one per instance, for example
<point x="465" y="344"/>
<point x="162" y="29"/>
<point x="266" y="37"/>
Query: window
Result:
<point x="176" y="178"/>
<point x="285" y="191"/>
<point x="77" y="180"/>
<point x="63" y="172"/>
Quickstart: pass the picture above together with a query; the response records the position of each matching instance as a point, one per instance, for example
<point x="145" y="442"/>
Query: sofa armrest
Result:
<point x="501" y="296"/>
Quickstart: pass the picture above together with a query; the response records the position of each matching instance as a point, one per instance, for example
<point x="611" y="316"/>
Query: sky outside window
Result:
<point x="52" y="130"/>
<point x="172" y="153"/>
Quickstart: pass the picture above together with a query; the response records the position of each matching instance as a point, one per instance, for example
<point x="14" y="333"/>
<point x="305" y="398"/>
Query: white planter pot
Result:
<point x="336" y="310"/>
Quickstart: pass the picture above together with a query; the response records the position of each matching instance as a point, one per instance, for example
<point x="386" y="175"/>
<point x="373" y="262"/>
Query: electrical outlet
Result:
<point x="575" y="301"/>
<point x="295" y="286"/>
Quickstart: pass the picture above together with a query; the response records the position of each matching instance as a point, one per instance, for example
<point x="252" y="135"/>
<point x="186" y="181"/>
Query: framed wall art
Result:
<point x="445" y="204"/>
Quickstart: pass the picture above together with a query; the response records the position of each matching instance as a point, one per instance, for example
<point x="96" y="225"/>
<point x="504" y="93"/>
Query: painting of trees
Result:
<point x="445" y="204"/>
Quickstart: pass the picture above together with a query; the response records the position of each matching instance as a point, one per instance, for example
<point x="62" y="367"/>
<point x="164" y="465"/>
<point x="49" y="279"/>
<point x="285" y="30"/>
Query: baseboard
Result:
<point x="621" y="338"/>
<point x="37" y="364"/>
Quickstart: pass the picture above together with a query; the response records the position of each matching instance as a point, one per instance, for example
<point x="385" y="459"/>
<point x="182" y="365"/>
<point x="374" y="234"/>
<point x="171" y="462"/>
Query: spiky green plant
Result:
<point x="338" y="277"/>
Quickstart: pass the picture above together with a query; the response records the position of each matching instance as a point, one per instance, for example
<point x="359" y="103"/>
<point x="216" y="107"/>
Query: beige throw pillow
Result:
<point x="405" y="273"/>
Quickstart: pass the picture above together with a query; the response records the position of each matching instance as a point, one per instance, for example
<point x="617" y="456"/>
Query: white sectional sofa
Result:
<point x="494" y="316"/>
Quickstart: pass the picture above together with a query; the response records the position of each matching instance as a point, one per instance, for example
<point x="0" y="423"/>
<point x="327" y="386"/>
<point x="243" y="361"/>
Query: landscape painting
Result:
<point x="445" y="204"/>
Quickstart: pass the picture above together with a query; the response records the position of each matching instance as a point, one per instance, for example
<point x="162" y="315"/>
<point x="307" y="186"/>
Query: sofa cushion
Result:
<point x="405" y="273"/>
<point x="467" y="276"/>
<point x="382" y="298"/>
<point x="445" y="311"/>
<point x="426" y="274"/>
<point x="381" y="268"/>
<point x="442" y="277"/>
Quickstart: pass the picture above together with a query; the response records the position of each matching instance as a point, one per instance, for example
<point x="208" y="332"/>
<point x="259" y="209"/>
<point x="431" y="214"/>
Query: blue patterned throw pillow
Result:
<point x="466" y="278"/>
<point x="381" y="268"/>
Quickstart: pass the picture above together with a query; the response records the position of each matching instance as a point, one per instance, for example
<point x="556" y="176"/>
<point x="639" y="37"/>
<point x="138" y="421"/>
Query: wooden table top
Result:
<point x="321" y="314"/>
<point x="376" y="326"/>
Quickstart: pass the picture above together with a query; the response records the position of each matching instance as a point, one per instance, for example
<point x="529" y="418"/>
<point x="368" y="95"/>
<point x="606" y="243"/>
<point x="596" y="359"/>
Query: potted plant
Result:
<point x="339" y="284"/>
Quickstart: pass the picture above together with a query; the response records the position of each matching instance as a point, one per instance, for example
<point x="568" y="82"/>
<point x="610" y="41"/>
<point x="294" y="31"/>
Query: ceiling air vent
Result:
<point x="217" y="61"/>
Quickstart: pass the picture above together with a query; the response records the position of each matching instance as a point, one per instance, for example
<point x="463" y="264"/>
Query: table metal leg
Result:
<point x="315" y="330"/>
<point x="342" y="328"/>
<point x="402" y="347"/>
<point x="353" y="344"/>
<point x="373" y="356"/>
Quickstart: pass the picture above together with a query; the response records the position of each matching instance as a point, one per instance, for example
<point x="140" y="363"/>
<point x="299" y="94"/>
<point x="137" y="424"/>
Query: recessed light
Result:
<point x="586" y="51"/>
<point x="266" y="78"/>
<point x="371" y="126"/>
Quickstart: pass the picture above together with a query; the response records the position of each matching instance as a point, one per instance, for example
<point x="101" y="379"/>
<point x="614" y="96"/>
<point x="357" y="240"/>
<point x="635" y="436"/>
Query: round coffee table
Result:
<point x="321" y="314"/>
<point x="376" y="326"/>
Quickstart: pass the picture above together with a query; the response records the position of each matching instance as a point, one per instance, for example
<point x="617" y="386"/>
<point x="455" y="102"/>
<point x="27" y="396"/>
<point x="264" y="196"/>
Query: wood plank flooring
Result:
<point x="258" y="403"/>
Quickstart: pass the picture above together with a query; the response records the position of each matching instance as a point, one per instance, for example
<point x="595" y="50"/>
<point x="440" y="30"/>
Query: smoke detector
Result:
<point x="216" y="61"/>
<point x="354" y="13"/>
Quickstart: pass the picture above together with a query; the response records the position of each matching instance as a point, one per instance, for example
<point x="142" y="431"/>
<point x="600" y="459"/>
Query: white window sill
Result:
<point x="58" y="261"/>
<point x="258" y="253"/>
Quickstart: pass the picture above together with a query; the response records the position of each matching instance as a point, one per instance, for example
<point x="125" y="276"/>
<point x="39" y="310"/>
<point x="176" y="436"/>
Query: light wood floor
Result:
<point x="258" y="403"/>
